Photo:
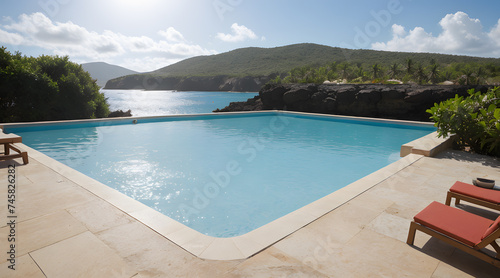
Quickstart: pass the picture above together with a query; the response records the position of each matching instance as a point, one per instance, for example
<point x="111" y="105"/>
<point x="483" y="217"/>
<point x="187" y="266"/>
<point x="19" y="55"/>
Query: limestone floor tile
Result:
<point x="409" y="208"/>
<point x="400" y="196"/>
<point x="371" y="254"/>
<point x="372" y="201"/>
<point x="41" y="173"/>
<point x="461" y="264"/>
<point x="426" y="191"/>
<point x="390" y="225"/>
<point x="433" y="247"/>
<point x="273" y="263"/>
<point x="314" y="248"/>
<point x="83" y="255"/>
<point x="24" y="267"/>
<point x="408" y="175"/>
<point x="45" y="230"/>
<point x="98" y="215"/>
<point x="157" y="256"/>
<point x="443" y="181"/>
<point x="352" y="214"/>
<point x="481" y="172"/>
<point x="49" y="197"/>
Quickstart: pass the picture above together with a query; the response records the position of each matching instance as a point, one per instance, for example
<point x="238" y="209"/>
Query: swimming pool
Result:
<point x="225" y="175"/>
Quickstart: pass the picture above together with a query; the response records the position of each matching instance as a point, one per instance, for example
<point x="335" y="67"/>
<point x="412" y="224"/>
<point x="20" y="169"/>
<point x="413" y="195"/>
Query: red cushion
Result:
<point x="490" y="195"/>
<point x="463" y="226"/>
<point x="492" y="228"/>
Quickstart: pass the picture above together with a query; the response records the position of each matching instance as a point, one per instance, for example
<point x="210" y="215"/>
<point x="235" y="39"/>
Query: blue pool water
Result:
<point x="226" y="175"/>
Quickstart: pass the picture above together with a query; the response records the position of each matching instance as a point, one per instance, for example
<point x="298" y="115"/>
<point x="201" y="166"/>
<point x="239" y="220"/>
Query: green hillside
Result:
<point x="255" y="61"/>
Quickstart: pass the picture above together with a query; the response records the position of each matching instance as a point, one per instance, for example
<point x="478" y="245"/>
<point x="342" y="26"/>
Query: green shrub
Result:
<point x="47" y="88"/>
<point x="475" y="120"/>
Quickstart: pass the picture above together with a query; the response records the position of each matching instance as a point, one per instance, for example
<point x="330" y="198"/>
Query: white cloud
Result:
<point x="460" y="35"/>
<point x="81" y="44"/>
<point x="398" y="30"/>
<point x="172" y="35"/>
<point x="10" y="38"/>
<point x="239" y="33"/>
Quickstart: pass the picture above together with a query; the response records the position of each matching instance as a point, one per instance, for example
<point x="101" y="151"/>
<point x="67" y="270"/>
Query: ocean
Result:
<point x="159" y="103"/>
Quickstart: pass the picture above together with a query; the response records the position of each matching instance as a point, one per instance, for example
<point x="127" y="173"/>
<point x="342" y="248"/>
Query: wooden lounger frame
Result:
<point x="469" y="199"/>
<point x="19" y="153"/>
<point x="8" y="141"/>
<point x="475" y="251"/>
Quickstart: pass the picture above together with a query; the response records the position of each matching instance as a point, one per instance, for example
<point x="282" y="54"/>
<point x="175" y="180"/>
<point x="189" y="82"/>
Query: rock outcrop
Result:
<point x="194" y="83"/>
<point x="405" y="102"/>
<point x="120" y="113"/>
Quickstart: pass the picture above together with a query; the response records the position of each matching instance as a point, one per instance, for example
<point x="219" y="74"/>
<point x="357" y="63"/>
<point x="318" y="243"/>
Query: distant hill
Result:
<point x="103" y="72"/>
<point x="235" y="69"/>
<point x="253" y="61"/>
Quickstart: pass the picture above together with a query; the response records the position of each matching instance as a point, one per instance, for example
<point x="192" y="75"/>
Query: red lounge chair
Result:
<point x="477" y="195"/>
<point x="463" y="230"/>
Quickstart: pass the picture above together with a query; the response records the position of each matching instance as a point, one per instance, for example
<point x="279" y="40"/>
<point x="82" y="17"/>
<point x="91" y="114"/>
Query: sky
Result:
<point x="145" y="35"/>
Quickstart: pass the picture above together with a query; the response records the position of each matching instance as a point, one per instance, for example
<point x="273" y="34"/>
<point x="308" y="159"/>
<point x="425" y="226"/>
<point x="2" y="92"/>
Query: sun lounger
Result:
<point x="463" y="230"/>
<point x="477" y="195"/>
<point x="8" y="141"/>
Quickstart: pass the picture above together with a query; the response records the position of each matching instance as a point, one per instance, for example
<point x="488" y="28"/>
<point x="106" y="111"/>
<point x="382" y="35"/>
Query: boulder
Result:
<point x="394" y="101"/>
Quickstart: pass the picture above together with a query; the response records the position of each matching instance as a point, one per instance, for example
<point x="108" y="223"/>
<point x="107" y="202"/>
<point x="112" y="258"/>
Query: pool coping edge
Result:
<point x="235" y="248"/>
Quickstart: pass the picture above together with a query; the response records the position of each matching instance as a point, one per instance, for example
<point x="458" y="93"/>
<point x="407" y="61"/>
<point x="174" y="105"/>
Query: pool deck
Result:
<point x="64" y="230"/>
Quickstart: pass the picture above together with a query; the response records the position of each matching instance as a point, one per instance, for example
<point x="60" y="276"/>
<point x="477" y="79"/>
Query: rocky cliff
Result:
<point x="194" y="83"/>
<point x="405" y="102"/>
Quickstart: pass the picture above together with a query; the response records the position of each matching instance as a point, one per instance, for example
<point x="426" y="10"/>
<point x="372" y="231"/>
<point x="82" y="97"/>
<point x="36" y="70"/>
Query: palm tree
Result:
<point x="394" y="71"/>
<point x="344" y="70"/>
<point x="468" y="75"/>
<point x="480" y="73"/>
<point x="420" y="74"/>
<point x="376" y="70"/>
<point x="360" y="72"/>
<point x="434" y="73"/>
<point x="409" y="66"/>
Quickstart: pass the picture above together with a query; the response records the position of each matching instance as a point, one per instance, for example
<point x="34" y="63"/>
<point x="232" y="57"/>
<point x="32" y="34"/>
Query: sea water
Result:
<point x="158" y="103"/>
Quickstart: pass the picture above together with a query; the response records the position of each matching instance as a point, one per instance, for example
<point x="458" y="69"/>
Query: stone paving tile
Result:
<point x="157" y="256"/>
<point x="42" y="231"/>
<point x="273" y="263"/>
<point x="83" y="255"/>
<point x="390" y="225"/>
<point x="44" y="198"/>
<point x="370" y="254"/>
<point x="24" y="267"/>
<point x="98" y="215"/>
<point x="362" y="238"/>
<point x="314" y="248"/>
<point x="461" y="264"/>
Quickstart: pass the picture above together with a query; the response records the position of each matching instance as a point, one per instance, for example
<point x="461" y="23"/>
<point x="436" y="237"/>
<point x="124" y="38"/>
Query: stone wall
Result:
<point x="405" y="102"/>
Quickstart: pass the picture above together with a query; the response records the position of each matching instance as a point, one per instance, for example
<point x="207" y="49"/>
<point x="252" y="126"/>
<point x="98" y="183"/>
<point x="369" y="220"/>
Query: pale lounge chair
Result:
<point x="8" y="141"/>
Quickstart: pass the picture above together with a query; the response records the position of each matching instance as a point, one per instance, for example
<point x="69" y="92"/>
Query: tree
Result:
<point x="376" y="70"/>
<point x="360" y="73"/>
<point x="344" y="70"/>
<point x="480" y="74"/>
<point x="47" y="88"/>
<point x="467" y="76"/>
<point x="420" y="74"/>
<point x="409" y="66"/>
<point x="394" y="71"/>
<point x="434" y="73"/>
